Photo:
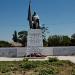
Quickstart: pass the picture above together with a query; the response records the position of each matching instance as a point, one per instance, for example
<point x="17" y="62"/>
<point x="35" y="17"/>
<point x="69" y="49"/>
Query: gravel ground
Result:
<point x="71" y="58"/>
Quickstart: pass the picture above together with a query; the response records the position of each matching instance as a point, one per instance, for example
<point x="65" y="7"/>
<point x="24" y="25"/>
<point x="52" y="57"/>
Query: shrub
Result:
<point x="49" y="71"/>
<point x="25" y="59"/>
<point x="28" y="65"/>
<point x="69" y="63"/>
<point x="52" y="59"/>
<point x="13" y="68"/>
<point x="8" y="73"/>
<point x="5" y="69"/>
<point x="73" y="71"/>
<point x="5" y="44"/>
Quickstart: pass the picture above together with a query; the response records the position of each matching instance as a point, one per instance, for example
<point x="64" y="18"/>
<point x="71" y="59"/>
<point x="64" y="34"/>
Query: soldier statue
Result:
<point x="33" y="19"/>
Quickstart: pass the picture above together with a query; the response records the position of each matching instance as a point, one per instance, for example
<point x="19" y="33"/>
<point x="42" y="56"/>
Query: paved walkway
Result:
<point x="71" y="58"/>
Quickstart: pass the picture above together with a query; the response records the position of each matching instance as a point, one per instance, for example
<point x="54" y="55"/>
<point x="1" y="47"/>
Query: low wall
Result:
<point x="59" y="51"/>
<point x="22" y="51"/>
<point x="8" y="52"/>
<point x="47" y="51"/>
<point x="62" y="51"/>
<point x="13" y="52"/>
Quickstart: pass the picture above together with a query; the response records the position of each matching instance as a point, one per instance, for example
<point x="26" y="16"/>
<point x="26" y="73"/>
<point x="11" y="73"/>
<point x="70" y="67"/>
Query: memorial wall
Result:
<point x="49" y="51"/>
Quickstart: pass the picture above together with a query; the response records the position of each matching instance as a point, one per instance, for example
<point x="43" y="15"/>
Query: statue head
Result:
<point x="34" y="13"/>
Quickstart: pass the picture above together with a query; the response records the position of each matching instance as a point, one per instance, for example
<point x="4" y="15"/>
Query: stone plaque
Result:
<point x="34" y="38"/>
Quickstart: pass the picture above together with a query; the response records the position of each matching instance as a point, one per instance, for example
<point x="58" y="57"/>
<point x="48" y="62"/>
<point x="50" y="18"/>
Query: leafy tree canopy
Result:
<point x="5" y="44"/>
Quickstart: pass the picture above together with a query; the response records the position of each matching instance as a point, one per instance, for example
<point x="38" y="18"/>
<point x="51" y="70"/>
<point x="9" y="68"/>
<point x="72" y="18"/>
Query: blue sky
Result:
<point x="57" y="15"/>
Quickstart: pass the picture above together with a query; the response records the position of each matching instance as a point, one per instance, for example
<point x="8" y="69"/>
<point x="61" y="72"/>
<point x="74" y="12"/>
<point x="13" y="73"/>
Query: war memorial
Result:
<point x="35" y="42"/>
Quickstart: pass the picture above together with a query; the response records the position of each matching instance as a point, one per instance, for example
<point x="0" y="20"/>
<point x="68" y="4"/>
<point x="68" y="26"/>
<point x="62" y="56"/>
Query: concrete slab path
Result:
<point x="71" y="58"/>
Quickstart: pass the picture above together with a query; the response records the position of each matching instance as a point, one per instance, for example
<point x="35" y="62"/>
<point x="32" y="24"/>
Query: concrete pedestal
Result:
<point x="34" y="41"/>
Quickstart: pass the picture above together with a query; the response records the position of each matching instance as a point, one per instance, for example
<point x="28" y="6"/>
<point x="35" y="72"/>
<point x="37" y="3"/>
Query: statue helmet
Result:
<point x="34" y="13"/>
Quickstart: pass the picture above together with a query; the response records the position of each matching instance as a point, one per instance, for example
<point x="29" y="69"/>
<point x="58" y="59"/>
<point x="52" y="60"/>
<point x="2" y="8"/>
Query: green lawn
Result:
<point x="51" y="67"/>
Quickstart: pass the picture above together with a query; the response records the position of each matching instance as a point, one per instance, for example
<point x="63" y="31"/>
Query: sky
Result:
<point x="57" y="15"/>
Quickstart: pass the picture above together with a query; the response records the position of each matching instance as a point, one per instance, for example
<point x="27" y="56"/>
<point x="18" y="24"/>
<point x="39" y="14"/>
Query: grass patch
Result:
<point x="53" y="66"/>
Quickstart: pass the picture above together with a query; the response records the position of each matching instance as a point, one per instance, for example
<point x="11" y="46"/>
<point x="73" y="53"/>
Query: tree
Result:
<point x="44" y="32"/>
<point x="22" y="38"/>
<point x="5" y="44"/>
<point x="54" y="40"/>
<point x="73" y="39"/>
<point x="15" y="36"/>
<point x="45" y="43"/>
<point x="65" y="41"/>
<point x="73" y="36"/>
<point x="57" y="40"/>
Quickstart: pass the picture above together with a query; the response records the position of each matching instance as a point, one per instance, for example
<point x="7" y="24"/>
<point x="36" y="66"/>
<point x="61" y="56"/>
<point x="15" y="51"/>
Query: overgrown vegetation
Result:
<point x="52" y="66"/>
<point x="20" y="37"/>
<point x="52" y="40"/>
